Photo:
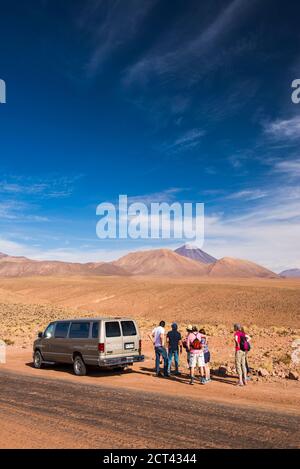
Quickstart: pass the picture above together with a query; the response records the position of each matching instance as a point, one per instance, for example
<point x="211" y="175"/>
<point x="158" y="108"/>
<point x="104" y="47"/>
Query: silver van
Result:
<point x="103" y="342"/>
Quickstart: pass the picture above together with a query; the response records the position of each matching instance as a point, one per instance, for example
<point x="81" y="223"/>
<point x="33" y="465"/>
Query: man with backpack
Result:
<point x="241" y="347"/>
<point x="248" y="338"/>
<point x="194" y="346"/>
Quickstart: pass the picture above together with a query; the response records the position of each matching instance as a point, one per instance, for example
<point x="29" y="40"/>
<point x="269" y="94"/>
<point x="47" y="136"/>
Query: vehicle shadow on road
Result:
<point x="92" y="371"/>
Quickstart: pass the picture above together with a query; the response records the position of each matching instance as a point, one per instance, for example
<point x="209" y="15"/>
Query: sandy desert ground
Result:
<point x="269" y="308"/>
<point x="52" y="408"/>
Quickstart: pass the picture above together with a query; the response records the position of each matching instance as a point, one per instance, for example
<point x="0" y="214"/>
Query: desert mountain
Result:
<point x="11" y="266"/>
<point x="290" y="273"/>
<point x="195" y="253"/>
<point x="157" y="262"/>
<point x="230" y="267"/>
<point x="162" y="262"/>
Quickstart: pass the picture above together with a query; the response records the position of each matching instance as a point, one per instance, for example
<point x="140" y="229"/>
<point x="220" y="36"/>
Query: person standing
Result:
<point x="248" y="339"/>
<point x="174" y="345"/>
<point x="194" y="346"/>
<point x="206" y="353"/>
<point x="158" y="338"/>
<point x="240" y="356"/>
<point x="184" y="344"/>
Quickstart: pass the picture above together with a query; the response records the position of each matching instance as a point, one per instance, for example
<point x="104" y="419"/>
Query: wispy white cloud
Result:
<point x="65" y="254"/>
<point x="56" y="187"/>
<point x="283" y="129"/>
<point x="187" y="140"/>
<point x="267" y="233"/>
<point x="167" y="58"/>
<point x="290" y="168"/>
<point x="111" y="25"/>
<point x="168" y="195"/>
<point x="247" y="194"/>
<point x="12" y="210"/>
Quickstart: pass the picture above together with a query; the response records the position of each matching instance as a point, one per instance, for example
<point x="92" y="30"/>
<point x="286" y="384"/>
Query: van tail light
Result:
<point x="101" y="348"/>
<point x="140" y="347"/>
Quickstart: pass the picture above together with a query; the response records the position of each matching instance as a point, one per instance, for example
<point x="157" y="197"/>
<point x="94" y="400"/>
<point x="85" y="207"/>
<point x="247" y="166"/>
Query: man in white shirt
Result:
<point x="158" y="338"/>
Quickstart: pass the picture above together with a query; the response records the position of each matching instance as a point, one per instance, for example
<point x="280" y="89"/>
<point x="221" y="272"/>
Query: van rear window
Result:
<point x="128" y="328"/>
<point x="112" y="329"/>
<point x="61" y="330"/>
<point x="79" y="330"/>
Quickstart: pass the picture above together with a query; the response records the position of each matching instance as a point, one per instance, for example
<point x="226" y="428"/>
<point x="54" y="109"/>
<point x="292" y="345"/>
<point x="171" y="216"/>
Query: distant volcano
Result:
<point x="195" y="253"/>
<point x="290" y="273"/>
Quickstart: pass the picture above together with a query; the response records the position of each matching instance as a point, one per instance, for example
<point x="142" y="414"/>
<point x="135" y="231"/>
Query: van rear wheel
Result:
<point x="37" y="359"/>
<point x="79" y="366"/>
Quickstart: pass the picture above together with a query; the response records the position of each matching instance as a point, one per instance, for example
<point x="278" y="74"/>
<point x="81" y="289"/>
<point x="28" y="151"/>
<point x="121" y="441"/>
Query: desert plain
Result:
<point x="269" y="308"/>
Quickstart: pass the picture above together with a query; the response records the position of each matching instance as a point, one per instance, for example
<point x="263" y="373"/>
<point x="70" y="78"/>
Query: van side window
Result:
<point x="128" y="328"/>
<point x="112" y="329"/>
<point x="61" y="330"/>
<point x="79" y="330"/>
<point x="49" y="332"/>
<point x="95" y="330"/>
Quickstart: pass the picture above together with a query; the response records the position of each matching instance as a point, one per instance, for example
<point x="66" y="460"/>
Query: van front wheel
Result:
<point x="79" y="366"/>
<point x="37" y="359"/>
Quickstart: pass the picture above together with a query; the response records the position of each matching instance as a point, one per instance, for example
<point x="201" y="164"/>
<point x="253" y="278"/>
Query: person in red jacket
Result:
<point x="240" y="356"/>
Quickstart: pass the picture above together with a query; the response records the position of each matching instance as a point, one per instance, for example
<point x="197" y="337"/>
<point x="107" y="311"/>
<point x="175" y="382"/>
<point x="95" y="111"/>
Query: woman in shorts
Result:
<point x="206" y="353"/>
<point x="194" y="346"/>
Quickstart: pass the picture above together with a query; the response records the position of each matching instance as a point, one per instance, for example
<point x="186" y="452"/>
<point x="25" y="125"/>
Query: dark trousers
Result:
<point x="247" y="366"/>
<point x="161" y="351"/>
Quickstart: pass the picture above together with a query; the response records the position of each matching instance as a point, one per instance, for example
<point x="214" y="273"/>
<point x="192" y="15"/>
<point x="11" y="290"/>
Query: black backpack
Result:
<point x="244" y="344"/>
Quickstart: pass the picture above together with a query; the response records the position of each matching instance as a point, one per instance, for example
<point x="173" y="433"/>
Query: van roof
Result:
<point x="110" y="318"/>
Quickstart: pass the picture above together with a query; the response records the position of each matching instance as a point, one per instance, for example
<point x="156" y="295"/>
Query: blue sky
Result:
<point x="163" y="101"/>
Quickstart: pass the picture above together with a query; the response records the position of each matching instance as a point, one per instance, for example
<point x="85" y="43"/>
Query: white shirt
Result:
<point x="157" y="331"/>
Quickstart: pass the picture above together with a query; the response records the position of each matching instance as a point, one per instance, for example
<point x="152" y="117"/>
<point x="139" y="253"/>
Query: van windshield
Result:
<point x="49" y="332"/>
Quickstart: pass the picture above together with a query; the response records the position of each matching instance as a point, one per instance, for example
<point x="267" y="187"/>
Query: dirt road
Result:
<point x="44" y="413"/>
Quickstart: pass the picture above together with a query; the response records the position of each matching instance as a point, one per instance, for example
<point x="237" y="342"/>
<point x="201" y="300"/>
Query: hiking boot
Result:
<point x="192" y="381"/>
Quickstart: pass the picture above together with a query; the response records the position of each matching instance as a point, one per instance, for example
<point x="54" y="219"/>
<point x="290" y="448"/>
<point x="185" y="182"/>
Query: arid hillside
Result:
<point x="184" y="262"/>
<point x="239" y="268"/>
<point x="269" y="308"/>
<point x="160" y="262"/>
<point x="264" y="302"/>
<point x="13" y="266"/>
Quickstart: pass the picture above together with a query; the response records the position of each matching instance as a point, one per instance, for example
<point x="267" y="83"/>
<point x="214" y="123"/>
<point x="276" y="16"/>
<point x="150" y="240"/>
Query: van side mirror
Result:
<point x="40" y="335"/>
